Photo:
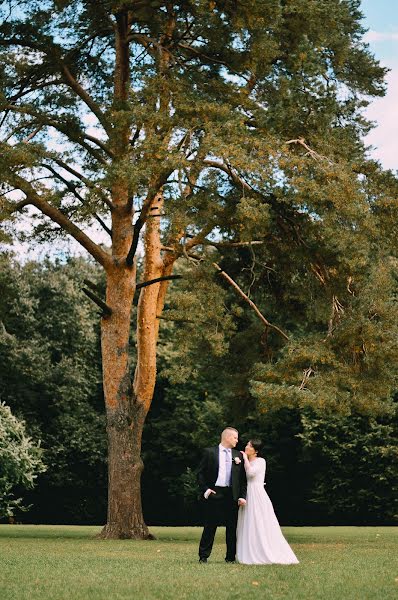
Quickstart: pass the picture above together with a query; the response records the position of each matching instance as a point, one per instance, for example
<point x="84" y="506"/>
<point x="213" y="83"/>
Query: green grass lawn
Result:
<point x="68" y="563"/>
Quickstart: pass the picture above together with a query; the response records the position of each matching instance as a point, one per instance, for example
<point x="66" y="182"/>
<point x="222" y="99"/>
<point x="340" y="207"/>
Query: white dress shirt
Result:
<point x="224" y="454"/>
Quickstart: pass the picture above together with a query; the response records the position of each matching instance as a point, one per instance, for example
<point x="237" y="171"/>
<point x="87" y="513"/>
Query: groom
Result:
<point x="222" y="480"/>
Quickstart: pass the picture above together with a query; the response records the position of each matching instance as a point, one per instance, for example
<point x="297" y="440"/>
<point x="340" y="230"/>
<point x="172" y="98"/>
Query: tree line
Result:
<point x="324" y="467"/>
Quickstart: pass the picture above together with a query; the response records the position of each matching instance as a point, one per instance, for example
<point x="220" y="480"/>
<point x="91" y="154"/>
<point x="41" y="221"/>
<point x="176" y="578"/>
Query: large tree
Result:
<point x="191" y="124"/>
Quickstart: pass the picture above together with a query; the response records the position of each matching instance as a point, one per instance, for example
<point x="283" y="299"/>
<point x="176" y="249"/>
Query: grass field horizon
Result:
<point x="68" y="562"/>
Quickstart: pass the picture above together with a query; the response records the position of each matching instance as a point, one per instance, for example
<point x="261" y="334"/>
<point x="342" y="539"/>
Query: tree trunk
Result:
<point x="125" y="519"/>
<point x="127" y="403"/>
<point x="125" y="414"/>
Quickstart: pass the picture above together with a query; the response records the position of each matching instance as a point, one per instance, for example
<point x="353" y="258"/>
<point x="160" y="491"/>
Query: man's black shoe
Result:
<point x="203" y="560"/>
<point x="229" y="561"/>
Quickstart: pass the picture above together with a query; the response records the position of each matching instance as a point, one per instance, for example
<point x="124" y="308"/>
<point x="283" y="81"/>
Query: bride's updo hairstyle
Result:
<point x="257" y="445"/>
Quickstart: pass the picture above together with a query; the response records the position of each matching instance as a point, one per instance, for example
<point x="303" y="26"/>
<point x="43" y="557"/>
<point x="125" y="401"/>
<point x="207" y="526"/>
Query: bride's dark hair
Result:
<point x="257" y="445"/>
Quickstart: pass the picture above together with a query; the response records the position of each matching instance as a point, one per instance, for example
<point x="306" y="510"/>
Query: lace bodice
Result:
<point x="255" y="471"/>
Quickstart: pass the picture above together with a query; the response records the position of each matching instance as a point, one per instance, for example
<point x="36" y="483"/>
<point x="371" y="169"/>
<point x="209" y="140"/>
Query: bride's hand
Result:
<point x="244" y="455"/>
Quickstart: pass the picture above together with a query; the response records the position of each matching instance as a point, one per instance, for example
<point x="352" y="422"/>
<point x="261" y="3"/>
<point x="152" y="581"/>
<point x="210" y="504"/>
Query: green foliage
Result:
<point x="50" y="373"/>
<point x="357" y="465"/>
<point x="50" y="369"/>
<point x="240" y="80"/>
<point x="350" y="366"/>
<point x="202" y="325"/>
<point x="20" y="461"/>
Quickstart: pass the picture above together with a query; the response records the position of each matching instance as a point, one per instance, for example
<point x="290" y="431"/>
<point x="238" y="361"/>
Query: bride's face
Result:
<point x="250" y="451"/>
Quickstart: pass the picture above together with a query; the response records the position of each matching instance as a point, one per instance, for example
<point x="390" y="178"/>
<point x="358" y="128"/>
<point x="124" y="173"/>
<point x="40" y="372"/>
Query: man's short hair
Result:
<point x="229" y="429"/>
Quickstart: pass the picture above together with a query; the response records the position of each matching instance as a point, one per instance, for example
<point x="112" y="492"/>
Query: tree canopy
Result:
<point x="221" y="102"/>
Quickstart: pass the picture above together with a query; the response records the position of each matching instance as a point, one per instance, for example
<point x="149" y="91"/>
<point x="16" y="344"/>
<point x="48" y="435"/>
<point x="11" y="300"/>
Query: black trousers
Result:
<point x="219" y="509"/>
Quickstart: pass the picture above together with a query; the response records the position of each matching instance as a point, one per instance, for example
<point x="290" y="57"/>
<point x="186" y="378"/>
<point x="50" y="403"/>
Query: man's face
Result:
<point x="230" y="438"/>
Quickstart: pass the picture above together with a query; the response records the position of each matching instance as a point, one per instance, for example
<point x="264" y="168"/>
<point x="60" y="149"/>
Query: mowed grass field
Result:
<point x="69" y="563"/>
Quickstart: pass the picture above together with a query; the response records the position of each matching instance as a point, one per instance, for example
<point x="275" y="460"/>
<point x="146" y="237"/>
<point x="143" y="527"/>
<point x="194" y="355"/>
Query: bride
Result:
<point x="259" y="538"/>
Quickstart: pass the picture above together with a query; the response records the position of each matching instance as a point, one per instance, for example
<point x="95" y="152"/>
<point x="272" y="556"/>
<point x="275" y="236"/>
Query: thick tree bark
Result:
<point x="147" y="323"/>
<point x="125" y="414"/>
<point x="124" y="410"/>
<point x="127" y="405"/>
<point x="127" y="402"/>
<point x="125" y="519"/>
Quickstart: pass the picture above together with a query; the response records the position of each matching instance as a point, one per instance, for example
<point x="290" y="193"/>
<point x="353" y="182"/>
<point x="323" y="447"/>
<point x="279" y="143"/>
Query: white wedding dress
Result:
<point x="260" y="540"/>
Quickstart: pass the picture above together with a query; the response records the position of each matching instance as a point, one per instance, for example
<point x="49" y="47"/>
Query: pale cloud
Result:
<point x="381" y="36"/>
<point x="383" y="111"/>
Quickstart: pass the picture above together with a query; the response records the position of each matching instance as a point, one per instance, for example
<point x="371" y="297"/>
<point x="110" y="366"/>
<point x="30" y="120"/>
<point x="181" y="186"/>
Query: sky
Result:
<point x="381" y="19"/>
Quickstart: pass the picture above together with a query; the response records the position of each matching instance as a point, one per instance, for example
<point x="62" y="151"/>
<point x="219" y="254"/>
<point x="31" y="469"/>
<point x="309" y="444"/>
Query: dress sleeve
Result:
<point x="252" y="469"/>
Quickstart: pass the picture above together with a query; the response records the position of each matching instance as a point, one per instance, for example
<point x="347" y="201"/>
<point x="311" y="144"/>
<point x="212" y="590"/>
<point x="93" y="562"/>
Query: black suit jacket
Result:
<point x="208" y="473"/>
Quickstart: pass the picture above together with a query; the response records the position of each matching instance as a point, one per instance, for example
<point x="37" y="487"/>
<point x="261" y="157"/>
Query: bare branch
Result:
<point x="69" y="79"/>
<point x="197" y="52"/>
<point x="177" y="320"/>
<point x="144" y="40"/>
<point x="230" y="244"/>
<point x="229" y="171"/>
<point x="138" y="225"/>
<point x="43" y="120"/>
<point x="337" y="311"/>
<point x="135" y="136"/>
<point x="306" y="375"/>
<point x="95" y="288"/>
<point x="72" y="188"/>
<point x="81" y="92"/>
<point x="310" y="151"/>
<point x="106" y="310"/>
<point x="100" y="144"/>
<point x="32" y="197"/>
<point x="32" y="135"/>
<point x="84" y="179"/>
<point x="164" y="278"/>
<point x="250" y="302"/>
<point x="199" y="238"/>
<point x="25" y="91"/>
<point x="16" y="206"/>
<point x="103" y="224"/>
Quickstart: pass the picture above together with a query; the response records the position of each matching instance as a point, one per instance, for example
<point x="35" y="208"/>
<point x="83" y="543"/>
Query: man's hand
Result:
<point x="208" y="492"/>
<point x="241" y="502"/>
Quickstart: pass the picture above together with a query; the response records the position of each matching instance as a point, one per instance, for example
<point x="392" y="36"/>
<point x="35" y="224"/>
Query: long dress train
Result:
<point x="260" y="540"/>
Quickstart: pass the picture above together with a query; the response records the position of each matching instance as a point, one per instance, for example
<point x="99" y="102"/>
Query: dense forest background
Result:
<point x="221" y="148"/>
<point x="323" y="466"/>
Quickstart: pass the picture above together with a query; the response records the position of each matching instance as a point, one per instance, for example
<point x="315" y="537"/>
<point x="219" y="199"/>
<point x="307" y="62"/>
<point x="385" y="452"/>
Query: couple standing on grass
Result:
<point x="232" y="486"/>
